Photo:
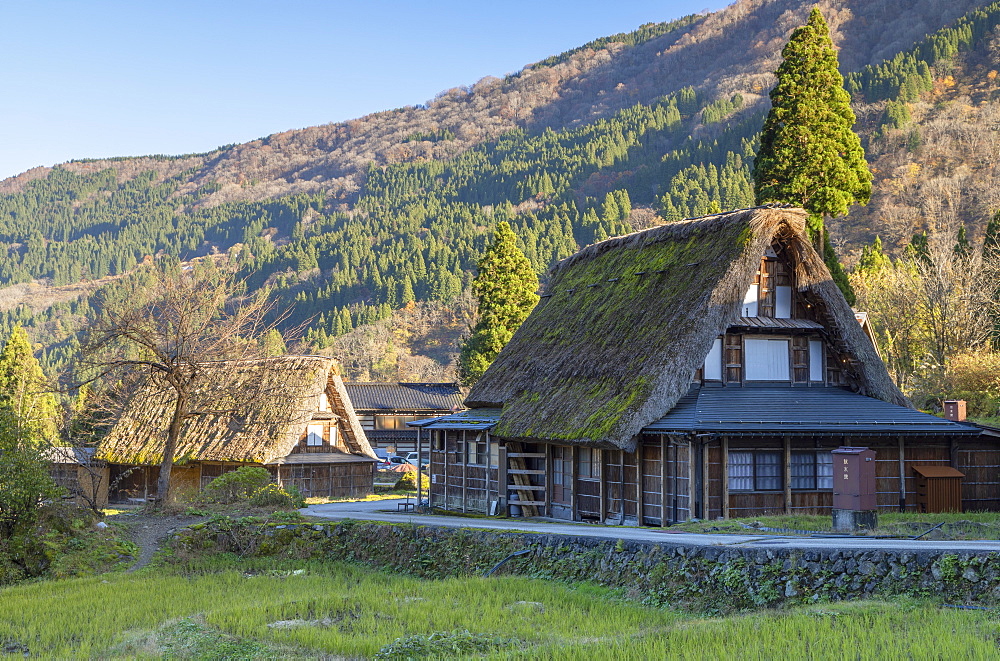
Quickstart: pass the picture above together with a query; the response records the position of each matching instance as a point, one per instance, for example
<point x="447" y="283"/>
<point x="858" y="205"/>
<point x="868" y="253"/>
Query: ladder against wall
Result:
<point x="526" y="477"/>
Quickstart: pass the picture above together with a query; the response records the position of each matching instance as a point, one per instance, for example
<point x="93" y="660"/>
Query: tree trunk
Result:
<point x="173" y="433"/>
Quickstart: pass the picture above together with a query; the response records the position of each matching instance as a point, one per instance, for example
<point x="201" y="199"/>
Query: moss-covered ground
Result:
<point x="228" y="607"/>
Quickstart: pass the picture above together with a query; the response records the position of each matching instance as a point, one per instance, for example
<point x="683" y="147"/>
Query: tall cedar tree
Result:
<point x="26" y="399"/>
<point x="809" y="155"/>
<point x="507" y="290"/>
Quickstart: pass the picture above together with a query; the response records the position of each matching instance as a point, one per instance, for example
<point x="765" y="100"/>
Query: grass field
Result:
<point x="257" y="609"/>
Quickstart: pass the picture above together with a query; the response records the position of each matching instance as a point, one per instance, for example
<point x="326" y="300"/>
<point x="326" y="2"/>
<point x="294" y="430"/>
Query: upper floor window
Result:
<point x="770" y="295"/>
<point x="314" y="435"/>
<point x="391" y="422"/>
<point x="766" y="360"/>
<point x="735" y="358"/>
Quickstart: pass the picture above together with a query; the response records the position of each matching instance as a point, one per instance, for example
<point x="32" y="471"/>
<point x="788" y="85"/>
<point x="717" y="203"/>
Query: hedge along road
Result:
<point x="387" y="510"/>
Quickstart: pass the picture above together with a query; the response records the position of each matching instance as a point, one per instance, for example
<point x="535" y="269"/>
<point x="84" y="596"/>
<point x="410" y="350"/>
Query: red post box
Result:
<point x="854" y="501"/>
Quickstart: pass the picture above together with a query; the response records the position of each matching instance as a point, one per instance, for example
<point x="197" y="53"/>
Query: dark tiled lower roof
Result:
<point x="473" y="419"/>
<point x="787" y="410"/>
<point x="322" y="458"/>
<point x="371" y="396"/>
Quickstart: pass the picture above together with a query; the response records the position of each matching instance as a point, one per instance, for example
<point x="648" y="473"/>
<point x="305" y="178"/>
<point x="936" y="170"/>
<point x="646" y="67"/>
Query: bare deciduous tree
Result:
<point x="164" y="330"/>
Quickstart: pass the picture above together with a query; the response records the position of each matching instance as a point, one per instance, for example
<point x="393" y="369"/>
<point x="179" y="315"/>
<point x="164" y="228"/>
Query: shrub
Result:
<point x="408" y="481"/>
<point x="272" y="495"/>
<point x="240" y="484"/>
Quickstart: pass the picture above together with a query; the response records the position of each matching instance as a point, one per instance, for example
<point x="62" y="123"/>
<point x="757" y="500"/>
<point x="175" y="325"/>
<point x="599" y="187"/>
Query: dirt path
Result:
<point x="149" y="531"/>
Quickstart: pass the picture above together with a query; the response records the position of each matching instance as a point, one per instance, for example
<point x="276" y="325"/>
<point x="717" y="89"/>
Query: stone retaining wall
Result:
<point x="715" y="578"/>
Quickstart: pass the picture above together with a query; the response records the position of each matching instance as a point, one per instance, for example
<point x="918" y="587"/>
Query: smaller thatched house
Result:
<point x="289" y="414"/>
<point x="700" y="369"/>
<point x="84" y="477"/>
<point x="385" y="409"/>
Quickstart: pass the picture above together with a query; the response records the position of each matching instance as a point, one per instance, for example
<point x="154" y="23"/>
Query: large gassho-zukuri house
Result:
<point x="289" y="414"/>
<point x="700" y="369"/>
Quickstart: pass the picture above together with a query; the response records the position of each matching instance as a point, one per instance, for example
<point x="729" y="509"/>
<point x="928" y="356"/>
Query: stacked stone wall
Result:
<point x="715" y="578"/>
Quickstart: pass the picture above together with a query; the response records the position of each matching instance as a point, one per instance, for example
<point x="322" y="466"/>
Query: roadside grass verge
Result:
<point x="955" y="525"/>
<point x="259" y="608"/>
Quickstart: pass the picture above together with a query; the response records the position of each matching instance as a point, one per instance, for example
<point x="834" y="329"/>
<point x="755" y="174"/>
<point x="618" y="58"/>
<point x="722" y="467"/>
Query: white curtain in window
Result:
<point x="803" y="470"/>
<point x="783" y="302"/>
<point x="767" y="360"/>
<point x="741" y="471"/>
<point x="314" y="435"/>
<point x="816" y="360"/>
<point x="713" y="363"/>
<point x="824" y="470"/>
<point x="750" y="302"/>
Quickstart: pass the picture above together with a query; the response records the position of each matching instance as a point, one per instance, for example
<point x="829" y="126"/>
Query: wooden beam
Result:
<point x="444" y="447"/>
<point x="623" y="489"/>
<point x="725" y="477"/>
<point x="502" y="487"/>
<point x="486" y="471"/>
<point x="548" y="480"/>
<point x="465" y="468"/>
<point x="639" y="482"/>
<point x="691" y="484"/>
<point x="902" y="475"/>
<point x="603" y="491"/>
<point x="663" y="481"/>
<point x="572" y="483"/>
<point x="706" y="512"/>
<point x="788" y="474"/>
<point x="419" y="471"/>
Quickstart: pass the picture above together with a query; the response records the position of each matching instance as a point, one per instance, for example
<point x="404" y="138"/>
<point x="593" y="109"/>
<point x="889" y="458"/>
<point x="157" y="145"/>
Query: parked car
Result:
<point x="386" y="460"/>
<point x="412" y="457"/>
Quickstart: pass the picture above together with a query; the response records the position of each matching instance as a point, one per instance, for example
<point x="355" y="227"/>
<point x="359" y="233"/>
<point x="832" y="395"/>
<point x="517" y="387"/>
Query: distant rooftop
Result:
<point x="374" y="396"/>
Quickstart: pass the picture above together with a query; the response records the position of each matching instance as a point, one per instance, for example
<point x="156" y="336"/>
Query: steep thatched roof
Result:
<point x="245" y="411"/>
<point x="625" y="323"/>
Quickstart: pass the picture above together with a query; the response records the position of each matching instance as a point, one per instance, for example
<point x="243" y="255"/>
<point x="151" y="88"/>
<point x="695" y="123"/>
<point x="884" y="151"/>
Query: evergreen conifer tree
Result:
<point x="26" y="400"/>
<point x="809" y="155"/>
<point x="506" y="288"/>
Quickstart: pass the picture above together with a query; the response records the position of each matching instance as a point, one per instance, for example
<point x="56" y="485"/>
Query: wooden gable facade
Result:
<point x="708" y="372"/>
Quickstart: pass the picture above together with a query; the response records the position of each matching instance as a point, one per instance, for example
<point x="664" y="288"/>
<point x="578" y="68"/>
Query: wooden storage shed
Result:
<point x="939" y="488"/>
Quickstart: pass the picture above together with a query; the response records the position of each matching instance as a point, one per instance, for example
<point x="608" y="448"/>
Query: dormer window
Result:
<point x="737" y="358"/>
<point x="770" y="295"/>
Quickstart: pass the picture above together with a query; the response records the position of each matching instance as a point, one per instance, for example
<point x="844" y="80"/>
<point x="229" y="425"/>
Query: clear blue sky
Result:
<point x="97" y="78"/>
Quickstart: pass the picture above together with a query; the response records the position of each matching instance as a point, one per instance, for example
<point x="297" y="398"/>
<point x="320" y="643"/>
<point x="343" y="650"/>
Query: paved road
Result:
<point x="386" y="510"/>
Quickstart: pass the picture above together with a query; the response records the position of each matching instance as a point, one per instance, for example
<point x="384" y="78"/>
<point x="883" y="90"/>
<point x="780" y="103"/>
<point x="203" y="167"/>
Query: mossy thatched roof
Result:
<point x="624" y="324"/>
<point x="243" y="411"/>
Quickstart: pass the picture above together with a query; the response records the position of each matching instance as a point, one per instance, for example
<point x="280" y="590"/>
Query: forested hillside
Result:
<point x="371" y="226"/>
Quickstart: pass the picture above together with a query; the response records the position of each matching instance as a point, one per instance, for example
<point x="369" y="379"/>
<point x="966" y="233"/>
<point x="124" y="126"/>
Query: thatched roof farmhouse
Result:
<point x="714" y="357"/>
<point x="285" y="411"/>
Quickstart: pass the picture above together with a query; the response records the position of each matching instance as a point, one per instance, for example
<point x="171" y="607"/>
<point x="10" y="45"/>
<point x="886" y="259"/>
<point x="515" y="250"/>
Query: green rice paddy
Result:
<point x="257" y="609"/>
